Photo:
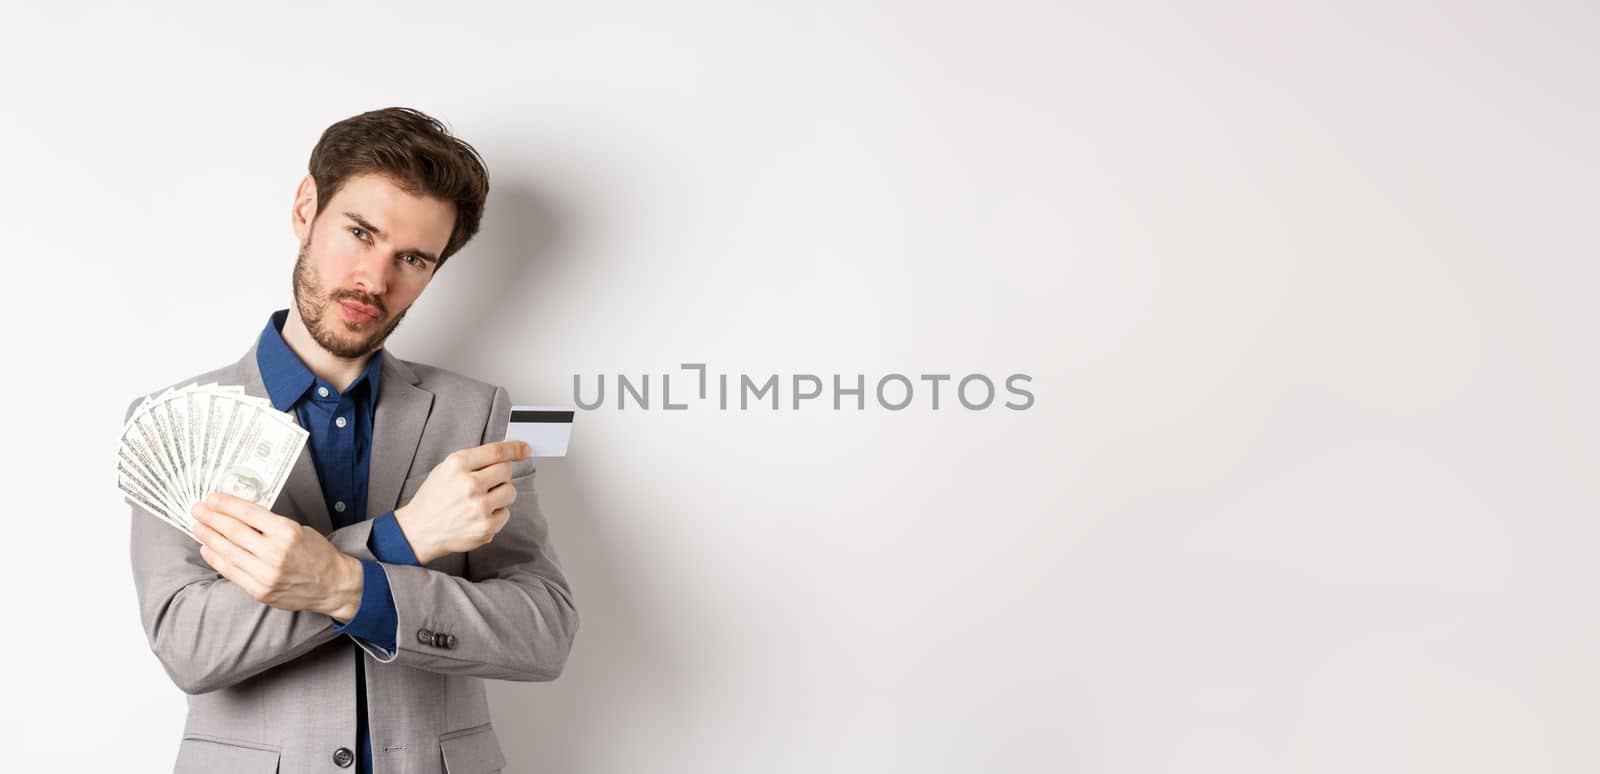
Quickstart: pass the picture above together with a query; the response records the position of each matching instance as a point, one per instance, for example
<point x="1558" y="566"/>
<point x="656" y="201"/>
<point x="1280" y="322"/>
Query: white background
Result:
<point x="1306" y="295"/>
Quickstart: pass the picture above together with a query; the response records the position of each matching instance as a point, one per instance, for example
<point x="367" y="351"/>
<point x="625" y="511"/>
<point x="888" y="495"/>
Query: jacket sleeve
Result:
<point x="375" y="626"/>
<point x="511" y="617"/>
<point x="208" y="632"/>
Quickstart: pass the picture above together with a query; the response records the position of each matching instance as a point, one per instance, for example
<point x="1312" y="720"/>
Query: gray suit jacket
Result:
<point x="274" y="690"/>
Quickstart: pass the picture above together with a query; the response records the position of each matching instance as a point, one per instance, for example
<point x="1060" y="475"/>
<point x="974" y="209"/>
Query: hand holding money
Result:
<point x="278" y="561"/>
<point x="464" y="502"/>
<point x="177" y="447"/>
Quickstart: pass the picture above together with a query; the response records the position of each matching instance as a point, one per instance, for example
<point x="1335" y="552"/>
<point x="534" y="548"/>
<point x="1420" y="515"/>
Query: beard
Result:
<point x="322" y="321"/>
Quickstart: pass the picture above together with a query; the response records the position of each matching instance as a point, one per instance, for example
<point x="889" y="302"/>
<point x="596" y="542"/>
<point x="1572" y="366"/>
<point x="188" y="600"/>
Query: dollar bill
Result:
<point x="262" y="458"/>
<point x="179" y="446"/>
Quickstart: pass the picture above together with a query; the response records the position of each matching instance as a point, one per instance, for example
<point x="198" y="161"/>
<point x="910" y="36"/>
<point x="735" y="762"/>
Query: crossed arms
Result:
<point x="511" y="617"/>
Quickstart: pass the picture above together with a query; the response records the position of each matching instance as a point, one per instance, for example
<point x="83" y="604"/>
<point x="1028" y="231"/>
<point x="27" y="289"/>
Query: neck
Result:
<point x="335" y="370"/>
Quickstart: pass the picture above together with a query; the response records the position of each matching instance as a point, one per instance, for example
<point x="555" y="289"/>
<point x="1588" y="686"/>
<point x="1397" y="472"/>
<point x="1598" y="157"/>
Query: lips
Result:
<point x="358" y="313"/>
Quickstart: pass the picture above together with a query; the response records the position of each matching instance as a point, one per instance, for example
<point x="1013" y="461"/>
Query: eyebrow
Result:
<point x="378" y="232"/>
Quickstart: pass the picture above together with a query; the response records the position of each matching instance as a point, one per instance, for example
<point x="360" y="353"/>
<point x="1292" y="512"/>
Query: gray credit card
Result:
<point x="546" y="428"/>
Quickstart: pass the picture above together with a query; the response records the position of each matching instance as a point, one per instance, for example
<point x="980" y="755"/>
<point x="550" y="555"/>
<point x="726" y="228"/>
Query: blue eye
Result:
<point x="409" y="258"/>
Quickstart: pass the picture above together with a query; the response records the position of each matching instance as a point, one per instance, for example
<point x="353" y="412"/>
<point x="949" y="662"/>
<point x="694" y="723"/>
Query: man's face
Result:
<point x="364" y="260"/>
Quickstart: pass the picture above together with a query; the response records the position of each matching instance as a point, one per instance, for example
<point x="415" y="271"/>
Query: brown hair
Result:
<point x="416" y="152"/>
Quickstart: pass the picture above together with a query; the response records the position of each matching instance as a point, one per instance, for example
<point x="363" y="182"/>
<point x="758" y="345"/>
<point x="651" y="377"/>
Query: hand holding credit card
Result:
<point x="546" y="428"/>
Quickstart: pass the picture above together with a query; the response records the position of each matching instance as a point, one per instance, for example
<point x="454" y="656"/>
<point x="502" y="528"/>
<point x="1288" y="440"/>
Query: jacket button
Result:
<point x="449" y="641"/>
<point x="424" y="636"/>
<point x="343" y="757"/>
<point x="438" y="639"/>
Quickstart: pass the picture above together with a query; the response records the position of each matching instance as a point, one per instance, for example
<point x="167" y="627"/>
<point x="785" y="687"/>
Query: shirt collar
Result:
<point x="286" y="377"/>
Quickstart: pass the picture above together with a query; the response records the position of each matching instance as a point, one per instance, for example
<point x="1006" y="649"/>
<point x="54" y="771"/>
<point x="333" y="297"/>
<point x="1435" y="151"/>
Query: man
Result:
<point x="351" y="626"/>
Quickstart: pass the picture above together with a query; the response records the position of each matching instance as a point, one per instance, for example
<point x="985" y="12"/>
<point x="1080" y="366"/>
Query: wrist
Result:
<point x="415" y="536"/>
<point x="345" y="598"/>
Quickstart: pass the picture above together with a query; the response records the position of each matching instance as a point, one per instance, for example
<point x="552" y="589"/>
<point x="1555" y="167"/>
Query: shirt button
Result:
<point x="339" y="506"/>
<point x="322" y="391"/>
<point x="340" y="421"/>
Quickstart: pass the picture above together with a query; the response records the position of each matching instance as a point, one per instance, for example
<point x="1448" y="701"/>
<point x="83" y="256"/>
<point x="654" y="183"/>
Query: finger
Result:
<point x="227" y="570"/>
<point x="502" y="496"/>
<point x="494" y="451"/>
<point x="240" y="533"/>
<point x="231" y="554"/>
<point x="260" y="518"/>
<point x="498" y="473"/>
<point x="212" y="559"/>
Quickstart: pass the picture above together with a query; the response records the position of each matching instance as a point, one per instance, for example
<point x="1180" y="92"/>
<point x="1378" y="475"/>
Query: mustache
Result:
<point x="361" y="298"/>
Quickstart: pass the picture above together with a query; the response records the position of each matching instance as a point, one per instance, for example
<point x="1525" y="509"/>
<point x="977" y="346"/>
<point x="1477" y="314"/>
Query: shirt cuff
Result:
<point x="388" y="542"/>
<point x="376" y="620"/>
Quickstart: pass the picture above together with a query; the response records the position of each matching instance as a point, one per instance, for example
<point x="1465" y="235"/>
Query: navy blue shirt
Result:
<point x="340" y="426"/>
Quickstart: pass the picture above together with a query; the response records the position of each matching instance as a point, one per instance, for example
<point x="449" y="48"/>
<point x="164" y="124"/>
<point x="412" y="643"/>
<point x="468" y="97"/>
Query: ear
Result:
<point x="305" y="207"/>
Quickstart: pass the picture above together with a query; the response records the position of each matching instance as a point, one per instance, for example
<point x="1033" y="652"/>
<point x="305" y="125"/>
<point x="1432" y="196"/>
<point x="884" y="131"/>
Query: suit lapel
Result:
<point x="305" y="490"/>
<point x="402" y="410"/>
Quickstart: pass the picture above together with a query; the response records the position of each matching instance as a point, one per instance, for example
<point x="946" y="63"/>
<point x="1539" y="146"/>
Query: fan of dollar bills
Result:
<point x="182" y="445"/>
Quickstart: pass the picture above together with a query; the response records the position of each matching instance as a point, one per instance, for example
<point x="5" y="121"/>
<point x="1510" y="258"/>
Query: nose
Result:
<point x="372" y="271"/>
